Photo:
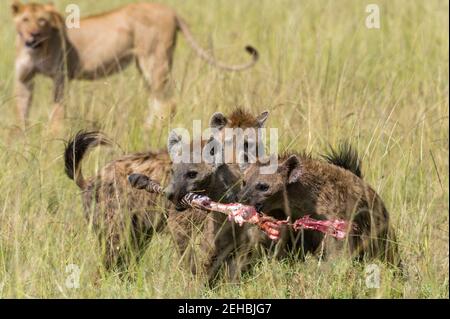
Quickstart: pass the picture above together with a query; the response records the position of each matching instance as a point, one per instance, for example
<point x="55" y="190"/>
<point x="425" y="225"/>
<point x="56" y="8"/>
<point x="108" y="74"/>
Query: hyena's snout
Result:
<point x="175" y="196"/>
<point x="243" y="196"/>
<point x="171" y="193"/>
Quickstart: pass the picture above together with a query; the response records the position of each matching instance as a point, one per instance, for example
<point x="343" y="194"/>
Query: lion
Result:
<point x="103" y="44"/>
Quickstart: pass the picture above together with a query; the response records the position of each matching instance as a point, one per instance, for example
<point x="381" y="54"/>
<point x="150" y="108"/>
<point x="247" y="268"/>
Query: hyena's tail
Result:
<point x="76" y="148"/>
<point x="345" y="156"/>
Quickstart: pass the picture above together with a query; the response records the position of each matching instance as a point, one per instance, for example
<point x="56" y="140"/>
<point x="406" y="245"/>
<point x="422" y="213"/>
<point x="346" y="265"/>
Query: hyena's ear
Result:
<point x="174" y="143"/>
<point x="291" y="167"/>
<point x="261" y="118"/>
<point x="218" y="121"/>
<point x="212" y="152"/>
<point x="16" y="7"/>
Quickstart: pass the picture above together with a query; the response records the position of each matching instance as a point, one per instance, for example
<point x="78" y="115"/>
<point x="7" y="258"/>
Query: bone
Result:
<point x="241" y="214"/>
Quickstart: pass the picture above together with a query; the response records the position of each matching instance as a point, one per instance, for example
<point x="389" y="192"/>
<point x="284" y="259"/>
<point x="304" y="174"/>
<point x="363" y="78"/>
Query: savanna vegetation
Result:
<point x="323" y="75"/>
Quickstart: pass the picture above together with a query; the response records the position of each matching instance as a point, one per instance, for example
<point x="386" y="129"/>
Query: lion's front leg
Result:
<point x="23" y="89"/>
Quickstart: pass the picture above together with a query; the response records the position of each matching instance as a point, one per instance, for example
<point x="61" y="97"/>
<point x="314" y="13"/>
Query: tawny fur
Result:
<point x="144" y="33"/>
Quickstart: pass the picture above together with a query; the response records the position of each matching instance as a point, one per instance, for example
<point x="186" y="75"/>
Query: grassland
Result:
<point x="324" y="77"/>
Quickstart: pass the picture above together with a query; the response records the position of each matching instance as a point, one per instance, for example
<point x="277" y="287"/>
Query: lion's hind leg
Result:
<point x="156" y="70"/>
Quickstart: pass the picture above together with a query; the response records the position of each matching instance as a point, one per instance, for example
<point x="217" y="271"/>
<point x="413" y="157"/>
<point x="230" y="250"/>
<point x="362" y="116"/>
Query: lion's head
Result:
<point x="36" y="23"/>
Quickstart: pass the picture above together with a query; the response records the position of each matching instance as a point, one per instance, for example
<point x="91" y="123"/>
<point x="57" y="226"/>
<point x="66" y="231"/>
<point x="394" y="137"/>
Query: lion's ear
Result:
<point x="16" y="7"/>
<point x="49" y="6"/>
<point x="56" y="20"/>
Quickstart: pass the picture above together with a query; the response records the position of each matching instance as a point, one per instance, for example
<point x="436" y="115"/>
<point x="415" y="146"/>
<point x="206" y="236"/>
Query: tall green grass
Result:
<point x="324" y="77"/>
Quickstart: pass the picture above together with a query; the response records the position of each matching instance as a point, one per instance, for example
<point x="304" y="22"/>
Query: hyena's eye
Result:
<point x="191" y="174"/>
<point x="262" y="187"/>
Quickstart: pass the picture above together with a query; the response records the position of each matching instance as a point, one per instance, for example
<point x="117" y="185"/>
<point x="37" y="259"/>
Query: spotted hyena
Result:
<point x="126" y="218"/>
<point x="324" y="189"/>
<point x="220" y="182"/>
<point x="208" y="240"/>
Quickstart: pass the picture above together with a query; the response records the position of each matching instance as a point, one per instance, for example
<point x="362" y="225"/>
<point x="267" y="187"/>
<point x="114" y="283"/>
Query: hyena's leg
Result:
<point x="113" y="221"/>
<point x="218" y="245"/>
<point x="110" y="232"/>
<point x="181" y="231"/>
<point x="185" y="229"/>
<point x="129" y="235"/>
<point x="143" y="226"/>
<point x="241" y="261"/>
<point x="124" y="242"/>
<point x="391" y="249"/>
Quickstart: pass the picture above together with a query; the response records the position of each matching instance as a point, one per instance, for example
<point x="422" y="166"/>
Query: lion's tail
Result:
<point x="208" y="57"/>
<point x="76" y="149"/>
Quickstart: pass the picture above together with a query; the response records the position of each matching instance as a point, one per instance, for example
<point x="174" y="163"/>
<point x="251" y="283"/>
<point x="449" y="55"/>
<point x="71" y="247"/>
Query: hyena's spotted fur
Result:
<point x="126" y="218"/>
<point x="206" y="241"/>
<point x="325" y="189"/>
<point x="210" y="243"/>
<point x="333" y="191"/>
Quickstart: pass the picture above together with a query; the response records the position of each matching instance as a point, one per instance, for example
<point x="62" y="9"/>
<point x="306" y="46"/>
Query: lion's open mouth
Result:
<point x="35" y="44"/>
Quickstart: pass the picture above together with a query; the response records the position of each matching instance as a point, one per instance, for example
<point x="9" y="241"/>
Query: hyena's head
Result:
<point x="210" y="177"/>
<point x="36" y="23"/>
<point x="209" y="169"/>
<point x="238" y="133"/>
<point x="266" y="192"/>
